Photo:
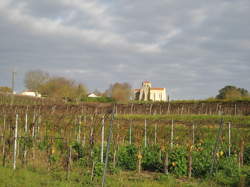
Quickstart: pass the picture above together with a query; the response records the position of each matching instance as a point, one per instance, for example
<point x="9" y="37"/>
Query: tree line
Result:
<point x="70" y="90"/>
<point x="64" y="88"/>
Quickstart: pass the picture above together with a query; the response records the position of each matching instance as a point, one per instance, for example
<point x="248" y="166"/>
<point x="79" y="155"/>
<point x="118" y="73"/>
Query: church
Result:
<point x="147" y="93"/>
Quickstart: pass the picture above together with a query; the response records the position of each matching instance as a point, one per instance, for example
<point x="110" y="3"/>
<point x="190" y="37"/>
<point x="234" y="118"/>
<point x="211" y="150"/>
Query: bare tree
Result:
<point x="61" y="87"/>
<point x="35" y="79"/>
<point x="120" y="91"/>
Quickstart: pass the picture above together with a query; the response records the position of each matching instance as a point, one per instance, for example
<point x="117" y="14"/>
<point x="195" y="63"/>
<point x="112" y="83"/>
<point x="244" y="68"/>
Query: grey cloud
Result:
<point x="193" y="47"/>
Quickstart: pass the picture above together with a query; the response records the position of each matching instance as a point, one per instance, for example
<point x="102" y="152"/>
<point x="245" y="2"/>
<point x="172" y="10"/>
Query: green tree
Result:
<point x="232" y="92"/>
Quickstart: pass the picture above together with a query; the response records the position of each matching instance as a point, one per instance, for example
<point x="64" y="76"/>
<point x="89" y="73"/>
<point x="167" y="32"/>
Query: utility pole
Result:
<point x="13" y="81"/>
<point x="13" y="86"/>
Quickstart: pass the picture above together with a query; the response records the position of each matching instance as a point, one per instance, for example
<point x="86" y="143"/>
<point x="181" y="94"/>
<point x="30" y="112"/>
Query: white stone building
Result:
<point x="147" y="93"/>
<point x="31" y="93"/>
<point x="93" y="95"/>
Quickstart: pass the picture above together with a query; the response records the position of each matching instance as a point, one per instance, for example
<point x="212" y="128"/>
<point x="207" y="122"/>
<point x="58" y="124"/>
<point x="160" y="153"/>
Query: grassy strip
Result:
<point x="210" y="100"/>
<point x="241" y="120"/>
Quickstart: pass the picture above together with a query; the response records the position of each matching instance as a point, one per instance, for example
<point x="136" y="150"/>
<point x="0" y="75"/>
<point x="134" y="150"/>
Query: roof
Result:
<point x="28" y="91"/>
<point x="92" y="95"/>
<point x="157" y="88"/>
<point x="137" y="90"/>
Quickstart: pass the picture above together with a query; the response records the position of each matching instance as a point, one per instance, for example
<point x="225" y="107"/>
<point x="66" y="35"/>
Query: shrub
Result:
<point x="77" y="147"/>
<point x="178" y="161"/>
<point x="127" y="157"/>
<point x="202" y="159"/>
<point x="45" y="144"/>
<point x="151" y="159"/>
<point x="246" y="174"/>
<point x="98" y="169"/>
<point x="247" y="155"/>
<point x="228" y="171"/>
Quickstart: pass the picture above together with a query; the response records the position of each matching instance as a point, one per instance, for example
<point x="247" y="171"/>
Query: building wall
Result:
<point x="158" y="95"/>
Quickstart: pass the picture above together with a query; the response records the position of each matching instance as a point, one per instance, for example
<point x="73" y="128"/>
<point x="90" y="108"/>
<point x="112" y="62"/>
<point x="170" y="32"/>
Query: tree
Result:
<point x="97" y="92"/>
<point x="232" y="92"/>
<point x="60" y="87"/>
<point x="119" y="91"/>
<point x="80" y="92"/>
<point x="5" y="89"/>
<point x="35" y="79"/>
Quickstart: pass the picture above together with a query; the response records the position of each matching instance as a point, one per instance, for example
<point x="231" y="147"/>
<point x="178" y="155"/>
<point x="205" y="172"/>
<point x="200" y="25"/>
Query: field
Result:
<point x="60" y="145"/>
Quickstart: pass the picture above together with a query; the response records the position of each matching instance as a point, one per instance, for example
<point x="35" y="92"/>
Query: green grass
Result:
<point x="27" y="178"/>
<point x="35" y="178"/>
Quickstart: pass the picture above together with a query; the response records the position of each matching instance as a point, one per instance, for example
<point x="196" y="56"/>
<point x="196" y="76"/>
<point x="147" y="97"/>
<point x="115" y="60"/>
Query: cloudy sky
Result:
<point x="191" y="47"/>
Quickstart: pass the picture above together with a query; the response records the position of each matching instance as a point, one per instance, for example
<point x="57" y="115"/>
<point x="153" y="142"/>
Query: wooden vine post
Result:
<point x="114" y="158"/>
<point x="145" y="133"/>
<point x="84" y="131"/>
<point x="139" y="160"/>
<point x="108" y="148"/>
<point x="15" y="143"/>
<point x="241" y="154"/>
<point x="130" y="132"/>
<point x="155" y="140"/>
<point x="172" y="135"/>
<point x="193" y="136"/>
<point x="91" y="136"/>
<point x="168" y="111"/>
<point x="69" y="161"/>
<point x="229" y="139"/>
<point x="26" y="136"/>
<point x="216" y="146"/>
<point x="235" y="109"/>
<point x="102" y="144"/>
<point x="166" y="162"/>
<point x="4" y="152"/>
<point x="190" y="162"/>
<point x="79" y="129"/>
